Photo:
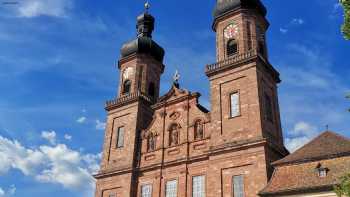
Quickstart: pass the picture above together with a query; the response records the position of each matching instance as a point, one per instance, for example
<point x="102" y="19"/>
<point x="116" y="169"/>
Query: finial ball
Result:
<point x="147" y="5"/>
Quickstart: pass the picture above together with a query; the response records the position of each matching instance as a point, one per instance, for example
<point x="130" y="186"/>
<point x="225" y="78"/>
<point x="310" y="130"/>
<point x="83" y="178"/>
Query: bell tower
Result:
<point x="243" y="83"/>
<point x="141" y="66"/>
<point x="141" y="63"/>
<point x="240" y="27"/>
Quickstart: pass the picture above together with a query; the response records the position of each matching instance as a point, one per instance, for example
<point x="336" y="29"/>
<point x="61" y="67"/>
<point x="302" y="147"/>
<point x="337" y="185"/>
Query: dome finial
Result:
<point x="176" y="78"/>
<point x="147" y="6"/>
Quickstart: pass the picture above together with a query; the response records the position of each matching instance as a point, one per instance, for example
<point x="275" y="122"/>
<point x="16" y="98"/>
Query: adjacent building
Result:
<point x="313" y="170"/>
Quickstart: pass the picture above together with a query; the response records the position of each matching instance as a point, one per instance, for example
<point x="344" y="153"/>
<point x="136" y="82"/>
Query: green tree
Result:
<point x="346" y="26"/>
<point x="343" y="189"/>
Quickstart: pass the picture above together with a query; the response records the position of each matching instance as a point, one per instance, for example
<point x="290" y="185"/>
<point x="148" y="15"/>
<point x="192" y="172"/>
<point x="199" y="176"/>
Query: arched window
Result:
<point x="232" y="47"/>
<point x="151" y="142"/>
<point x="151" y="89"/>
<point x="198" y="130"/>
<point x="126" y="87"/>
<point x="174" y="135"/>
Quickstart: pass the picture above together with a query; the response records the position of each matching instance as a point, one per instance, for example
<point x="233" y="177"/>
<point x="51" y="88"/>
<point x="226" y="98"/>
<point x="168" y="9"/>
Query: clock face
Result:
<point x="231" y="31"/>
<point x="128" y="72"/>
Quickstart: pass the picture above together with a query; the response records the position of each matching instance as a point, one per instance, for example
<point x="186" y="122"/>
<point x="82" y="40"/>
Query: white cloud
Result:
<point x="293" y="22"/>
<point x="14" y="156"/>
<point x="2" y="192"/>
<point x="284" y="31"/>
<point x="12" y="190"/>
<point x="302" y="133"/>
<point x="100" y="125"/>
<point x="297" y="21"/>
<point x="57" y="164"/>
<point x="34" y="8"/>
<point x="67" y="137"/>
<point x="81" y="119"/>
<point x="50" y="136"/>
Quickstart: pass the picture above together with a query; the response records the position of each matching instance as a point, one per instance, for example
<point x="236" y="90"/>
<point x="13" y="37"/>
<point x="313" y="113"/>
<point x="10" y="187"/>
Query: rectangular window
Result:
<point x="249" y="36"/>
<point x="120" y="137"/>
<point x="268" y="108"/>
<point x="198" y="186"/>
<point x="171" y="189"/>
<point x="146" y="191"/>
<point x="238" y="186"/>
<point x="234" y="102"/>
<point x="112" y="195"/>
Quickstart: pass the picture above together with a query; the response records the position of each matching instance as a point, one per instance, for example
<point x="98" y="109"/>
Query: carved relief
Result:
<point x="199" y="129"/>
<point x="151" y="142"/>
<point x="174" y="132"/>
<point x="175" y="116"/>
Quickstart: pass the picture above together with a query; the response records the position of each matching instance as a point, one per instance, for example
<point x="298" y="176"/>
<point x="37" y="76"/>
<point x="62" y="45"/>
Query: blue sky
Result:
<point x="57" y="60"/>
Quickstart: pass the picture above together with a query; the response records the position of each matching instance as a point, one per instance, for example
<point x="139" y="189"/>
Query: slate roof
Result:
<point x="297" y="173"/>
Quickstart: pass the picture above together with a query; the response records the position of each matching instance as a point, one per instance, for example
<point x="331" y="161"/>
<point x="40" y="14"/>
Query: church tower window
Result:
<point x="151" y="90"/>
<point x="238" y="186"/>
<point x="268" y="108"/>
<point x="198" y="130"/>
<point x="120" y="137"/>
<point x="127" y="87"/>
<point x="249" y="36"/>
<point x="232" y="47"/>
<point x="174" y="135"/>
<point x="234" y="105"/>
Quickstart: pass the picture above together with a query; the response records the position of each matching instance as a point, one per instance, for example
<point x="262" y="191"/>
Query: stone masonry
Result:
<point x="173" y="137"/>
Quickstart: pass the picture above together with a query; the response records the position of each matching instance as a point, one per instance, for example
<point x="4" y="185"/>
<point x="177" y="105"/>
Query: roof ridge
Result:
<point x="310" y="151"/>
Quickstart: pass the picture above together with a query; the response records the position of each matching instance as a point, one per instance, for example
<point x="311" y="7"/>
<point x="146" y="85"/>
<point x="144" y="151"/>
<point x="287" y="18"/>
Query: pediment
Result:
<point x="174" y="93"/>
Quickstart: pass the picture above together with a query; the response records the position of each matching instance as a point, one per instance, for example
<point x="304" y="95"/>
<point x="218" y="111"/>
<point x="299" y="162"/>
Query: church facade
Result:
<point x="170" y="145"/>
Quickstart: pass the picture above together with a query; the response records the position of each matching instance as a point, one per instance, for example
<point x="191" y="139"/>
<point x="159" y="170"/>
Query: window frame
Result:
<point x="249" y="35"/>
<point x="145" y="185"/>
<point x="205" y="184"/>
<point x="227" y="47"/>
<point x="232" y="184"/>
<point x="129" y="86"/>
<point x="269" y="111"/>
<point x="238" y="103"/>
<point x="177" y="186"/>
<point x="117" y="145"/>
<point x="152" y="89"/>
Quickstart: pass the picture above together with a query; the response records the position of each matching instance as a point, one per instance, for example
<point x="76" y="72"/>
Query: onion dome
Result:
<point x="224" y="6"/>
<point x="143" y="43"/>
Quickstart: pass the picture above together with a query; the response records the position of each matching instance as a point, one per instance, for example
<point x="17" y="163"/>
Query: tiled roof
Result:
<point x="297" y="173"/>
<point x="326" y="145"/>
<point x="302" y="178"/>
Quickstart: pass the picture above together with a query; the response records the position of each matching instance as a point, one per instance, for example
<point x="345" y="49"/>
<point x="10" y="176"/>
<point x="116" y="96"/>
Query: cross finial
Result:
<point x="147" y="6"/>
<point x="176" y="78"/>
<point x="327" y="127"/>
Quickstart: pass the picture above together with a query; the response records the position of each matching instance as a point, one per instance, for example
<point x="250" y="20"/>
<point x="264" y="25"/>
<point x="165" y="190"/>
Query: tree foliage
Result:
<point x="343" y="189"/>
<point x="346" y="26"/>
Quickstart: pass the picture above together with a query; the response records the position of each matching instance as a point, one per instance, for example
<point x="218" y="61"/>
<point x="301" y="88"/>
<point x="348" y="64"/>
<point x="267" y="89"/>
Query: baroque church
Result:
<point x="172" y="146"/>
